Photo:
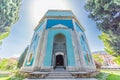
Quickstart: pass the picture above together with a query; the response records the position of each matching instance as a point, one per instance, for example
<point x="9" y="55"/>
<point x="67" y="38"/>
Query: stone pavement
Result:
<point x="66" y="79"/>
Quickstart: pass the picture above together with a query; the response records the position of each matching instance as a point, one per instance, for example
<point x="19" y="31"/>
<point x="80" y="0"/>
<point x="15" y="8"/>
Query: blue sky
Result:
<point x="32" y="11"/>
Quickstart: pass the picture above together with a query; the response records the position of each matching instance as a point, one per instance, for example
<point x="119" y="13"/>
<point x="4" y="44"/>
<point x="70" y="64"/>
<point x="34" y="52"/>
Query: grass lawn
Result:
<point x="107" y="74"/>
<point x="113" y="77"/>
<point x="115" y="72"/>
<point x="4" y="77"/>
<point x="12" y="75"/>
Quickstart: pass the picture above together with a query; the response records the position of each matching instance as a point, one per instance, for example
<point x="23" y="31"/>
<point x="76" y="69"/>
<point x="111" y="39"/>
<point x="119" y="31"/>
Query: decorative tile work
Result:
<point x="49" y="48"/>
<point x="85" y="51"/>
<point x="34" y="45"/>
<point x="44" y="47"/>
<point x="52" y="22"/>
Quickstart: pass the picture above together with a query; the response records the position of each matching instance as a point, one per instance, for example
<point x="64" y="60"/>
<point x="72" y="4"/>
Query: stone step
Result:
<point x="59" y="70"/>
<point x="59" y="74"/>
<point x="58" y="77"/>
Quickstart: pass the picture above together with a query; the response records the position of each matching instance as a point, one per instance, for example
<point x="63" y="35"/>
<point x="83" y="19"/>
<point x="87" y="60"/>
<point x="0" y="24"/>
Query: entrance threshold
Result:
<point x="59" y="68"/>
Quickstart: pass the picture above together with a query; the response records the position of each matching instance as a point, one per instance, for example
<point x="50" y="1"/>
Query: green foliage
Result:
<point x="5" y="78"/>
<point x="113" y="77"/>
<point x="101" y="76"/>
<point x="22" y="58"/>
<point x="5" y="64"/>
<point x="18" y="76"/>
<point x="108" y="75"/>
<point x="4" y="35"/>
<point x="97" y="58"/>
<point x="117" y="60"/>
<point x="9" y="10"/>
<point x="106" y="14"/>
<point x="106" y="39"/>
<point x="110" y="71"/>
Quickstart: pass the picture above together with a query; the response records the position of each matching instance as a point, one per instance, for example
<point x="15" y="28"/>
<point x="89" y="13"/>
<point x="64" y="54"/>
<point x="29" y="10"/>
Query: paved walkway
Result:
<point x="65" y="79"/>
<point x="5" y="73"/>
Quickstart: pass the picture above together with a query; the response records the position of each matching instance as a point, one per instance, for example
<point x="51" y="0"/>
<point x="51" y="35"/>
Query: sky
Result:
<point x="32" y="11"/>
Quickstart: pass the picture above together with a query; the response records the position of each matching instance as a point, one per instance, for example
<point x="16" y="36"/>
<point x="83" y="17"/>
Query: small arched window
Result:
<point x="88" y="57"/>
<point x="30" y="58"/>
<point x="82" y="38"/>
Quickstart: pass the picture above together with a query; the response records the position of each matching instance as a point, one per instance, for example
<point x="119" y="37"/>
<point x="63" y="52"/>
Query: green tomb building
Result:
<point x="59" y="44"/>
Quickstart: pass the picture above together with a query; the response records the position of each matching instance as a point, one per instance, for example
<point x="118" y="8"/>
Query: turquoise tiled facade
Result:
<point x="70" y="52"/>
<point x="53" y="22"/>
<point x="69" y="49"/>
<point x="57" y="13"/>
<point x="78" y="29"/>
<point x="34" y="44"/>
<point x="84" y="46"/>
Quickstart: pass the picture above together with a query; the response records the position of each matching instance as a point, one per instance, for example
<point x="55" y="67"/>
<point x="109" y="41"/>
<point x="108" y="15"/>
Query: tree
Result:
<point x="117" y="60"/>
<point x="9" y="10"/>
<point x="106" y="14"/>
<point x="7" y="64"/>
<point x="98" y="58"/>
<point x="106" y="39"/>
<point x="22" y="58"/>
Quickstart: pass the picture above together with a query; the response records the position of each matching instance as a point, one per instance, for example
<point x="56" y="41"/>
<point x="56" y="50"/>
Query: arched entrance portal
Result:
<point x="59" y="51"/>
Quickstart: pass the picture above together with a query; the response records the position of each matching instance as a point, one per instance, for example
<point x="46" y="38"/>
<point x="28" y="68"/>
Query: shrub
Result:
<point x="18" y="76"/>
